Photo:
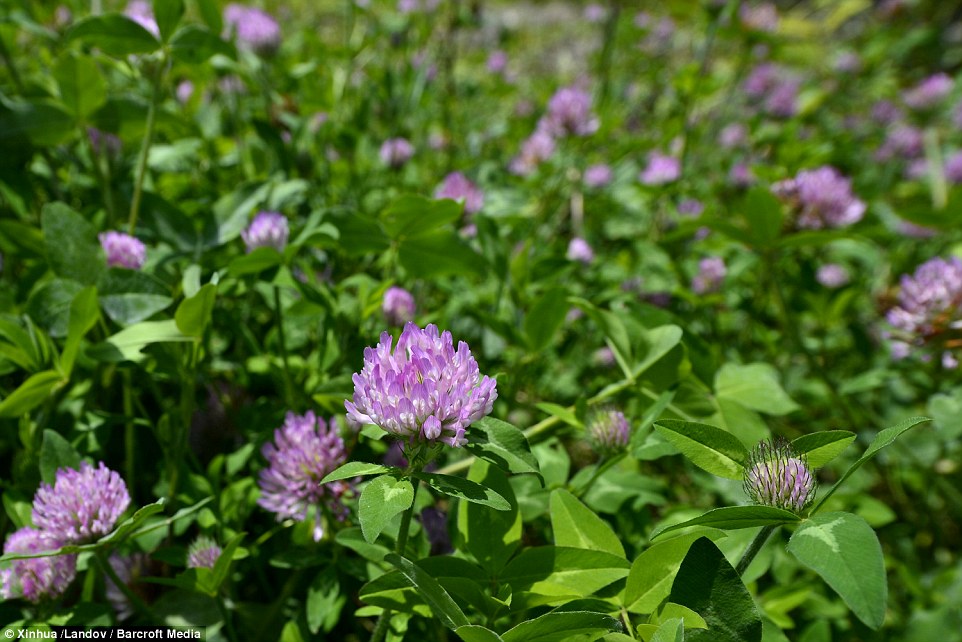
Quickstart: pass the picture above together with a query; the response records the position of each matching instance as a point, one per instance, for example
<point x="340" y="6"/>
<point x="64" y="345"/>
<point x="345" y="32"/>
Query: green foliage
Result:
<point x="843" y="549"/>
<point x="707" y="584"/>
<point x="711" y="449"/>
<point x="382" y="499"/>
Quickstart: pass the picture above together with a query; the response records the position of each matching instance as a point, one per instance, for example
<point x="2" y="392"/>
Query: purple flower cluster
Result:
<point x="398" y="306"/>
<point x="953" y="167"/>
<point x="901" y="141"/>
<point x="598" y="176"/>
<point x="458" y="187"/>
<point x="305" y="449"/>
<point x="822" y="197"/>
<point x="929" y="305"/>
<point x="832" y="275"/>
<point x="81" y="506"/>
<point x="774" y="88"/>
<point x="569" y="113"/>
<point x="537" y="148"/>
<point x="661" y="169"/>
<point x="422" y="391"/>
<point x="759" y="17"/>
<point x="711" y="273"/>
<point x="579" y="250"/>
<point x="395" y="152"/>
<point x="38" y="577"/>
<point x="203" y="553"/>
<point x="255" y="29"/>
<point x="733" y="135"/>
<point x="123" y="250"/>
<point x="142" y="12"/>
<point x="609" y="431"/>
<point x="104" y="142"/>
<point x="129" y="568"/>
<point x="928" y="93"/>
<point x="268" y="229"/>
<point x="776" y="476"/>
<point x="497" y="62"/>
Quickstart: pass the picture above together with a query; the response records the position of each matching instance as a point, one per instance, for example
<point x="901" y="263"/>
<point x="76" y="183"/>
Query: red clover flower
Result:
<point x="82" y="505"/>
<point x="305" y="449"/>
<point x="203" y="553"/>
<point x="424" y="390"/>
<point x="123" y="250"/>
<point x="38" y="577"/>
<point x="776" y="476"/>
<point x="268" y="229"/>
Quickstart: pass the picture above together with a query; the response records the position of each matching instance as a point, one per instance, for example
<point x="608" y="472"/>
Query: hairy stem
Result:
<point x="112" y="575"/>
<point x="145" y="146"/>
<point x="380" y="629"/>
<point x="753" y="549"/>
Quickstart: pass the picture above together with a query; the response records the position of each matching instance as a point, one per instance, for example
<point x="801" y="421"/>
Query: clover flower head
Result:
<point x="255" y="29"/>
<point x="579" y="250"/>
<point x="609" y="431"/>
<point x="928" y="93"/>
<point x="711" y="273"/>
<point x="595" y="12"/>
<point x="535" y="149"/>
<point x="123" y="250"/>
<point x="598" y="175"/>
<point x="395" y="152"/>
<point x="569" y="113"/>
<point x="782" y="100"/>
<point x="129" y="569"/>
<point x="691" y="207"/>
<point x="497" y="62"/>
<point x="423" y="391"/>
<point x="305" y="449"/>
<point x="203" y="553"/>
<point x="185" y="89"/>
<point x="733" y="135"/>
<point x="82" y="505"/>
<point x="661" y="169"/>
<point x="398" y="307"/>
<point x="142" y="12"/>
<point x="268" y="229"/>
<point x="779" y="477"/>
<point x="832" y="275"/>
<point x="741" y="175"/>
<point x="823" y="198"/>
<point x="901" y="141"/>
<point x="953" y="167"/>
<point x="761" y="17"/>
<point x="929" y="307"/>
<point x="104" y="142"/>
<point x="459" y="187"/>
<point x="39" y="577"/>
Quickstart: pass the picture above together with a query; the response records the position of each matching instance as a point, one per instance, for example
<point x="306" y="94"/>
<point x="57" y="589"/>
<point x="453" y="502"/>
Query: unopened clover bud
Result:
<point x="777" y="476"/>
<point x="609" y="431"/>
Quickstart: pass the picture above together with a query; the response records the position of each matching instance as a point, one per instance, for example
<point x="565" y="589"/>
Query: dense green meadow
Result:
<point x="482" y="320"/>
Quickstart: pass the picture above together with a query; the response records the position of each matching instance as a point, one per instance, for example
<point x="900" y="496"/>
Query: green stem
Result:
<point x="703" y="64"/>
<point x="111" y="574"/>
<point x="145" y="146"/>
<point x="129" y="436"/>
<point x="626" y="618"/>
<point x="753" y="548"/>
<point x="384" y="620"/>
<point x="537" y="431"/>
<point x="288" y="381"/>
<point x="609" y="36"/>
<point x="226" y="616"/>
